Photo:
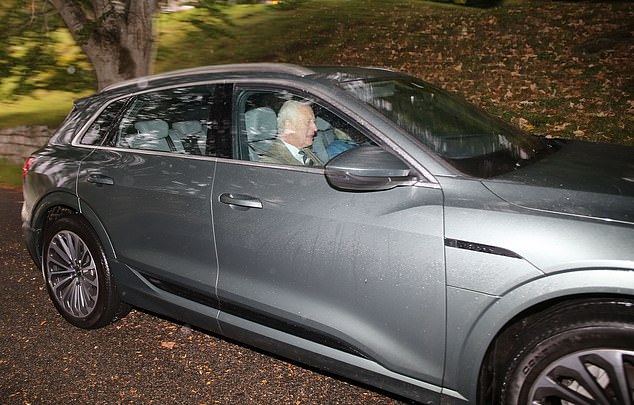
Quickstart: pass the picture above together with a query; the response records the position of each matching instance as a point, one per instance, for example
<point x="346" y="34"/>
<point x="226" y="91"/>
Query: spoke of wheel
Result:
<point x="67" y="293"/>
<point x="63" y="244"/>
<point x="87" y="287"/>
<point x="57" y="273"/>
<point x="576" y="369"/>
<point x="74" y="303"/>
<point x="612" y="363"/>
<point x="83" y="302"/>
<point x="546" y="387"/>
<point x="62" y="286"/>
<point x="61" y="253"/>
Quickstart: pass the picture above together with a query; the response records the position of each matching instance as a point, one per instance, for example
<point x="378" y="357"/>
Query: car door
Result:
<point x="361" y="273"/>
<point x="150" y="192"/>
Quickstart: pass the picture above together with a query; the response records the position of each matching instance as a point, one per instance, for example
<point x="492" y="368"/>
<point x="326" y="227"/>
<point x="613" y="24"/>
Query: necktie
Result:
<point x="306" y="160"/>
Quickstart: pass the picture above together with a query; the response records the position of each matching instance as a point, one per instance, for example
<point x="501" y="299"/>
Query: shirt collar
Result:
<point x="294" y="151"/>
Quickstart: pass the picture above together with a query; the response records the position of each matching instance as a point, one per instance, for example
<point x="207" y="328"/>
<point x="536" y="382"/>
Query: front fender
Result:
<point x="473" y="329"/>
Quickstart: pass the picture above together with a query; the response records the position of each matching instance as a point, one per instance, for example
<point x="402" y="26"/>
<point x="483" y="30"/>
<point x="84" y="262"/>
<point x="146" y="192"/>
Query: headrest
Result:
<point x="322" y="124"/>
<point x="261" y="124"/>
<point x="158" y="128"/>
<point x="188" y="127"/>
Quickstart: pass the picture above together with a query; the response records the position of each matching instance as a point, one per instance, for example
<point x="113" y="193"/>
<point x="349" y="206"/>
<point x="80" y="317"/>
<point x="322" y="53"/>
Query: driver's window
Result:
<point x="283" y="128"/>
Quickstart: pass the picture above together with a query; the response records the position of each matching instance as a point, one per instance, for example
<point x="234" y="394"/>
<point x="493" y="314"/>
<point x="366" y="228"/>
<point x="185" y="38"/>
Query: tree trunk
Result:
<point x="117" y="36"/>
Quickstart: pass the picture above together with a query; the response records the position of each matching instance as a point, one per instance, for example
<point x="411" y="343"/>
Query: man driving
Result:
<point x="296" y="129"/>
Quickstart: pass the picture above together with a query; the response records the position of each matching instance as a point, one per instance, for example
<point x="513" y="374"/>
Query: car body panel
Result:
<point x="285" y="261"/>
<point x="156" y="211"/>
<point x="581" y="178"/>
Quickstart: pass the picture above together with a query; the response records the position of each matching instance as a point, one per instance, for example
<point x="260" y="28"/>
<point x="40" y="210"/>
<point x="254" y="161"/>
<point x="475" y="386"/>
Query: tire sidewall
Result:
<point x="535" y="357"/>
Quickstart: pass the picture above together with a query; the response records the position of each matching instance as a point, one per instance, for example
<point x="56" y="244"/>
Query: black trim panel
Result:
<point x="479" y="247"/>
<point x="278" y="323"/>
<point x="257" y="316"/>
<point x="183" y="292"/>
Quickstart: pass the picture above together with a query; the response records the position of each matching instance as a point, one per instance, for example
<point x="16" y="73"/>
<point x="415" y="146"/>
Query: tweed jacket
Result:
<point x="279" y="153"/>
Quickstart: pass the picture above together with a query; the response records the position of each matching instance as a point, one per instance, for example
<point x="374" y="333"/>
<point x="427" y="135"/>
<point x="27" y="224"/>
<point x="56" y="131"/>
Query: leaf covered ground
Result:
<point x="560" y="69"/>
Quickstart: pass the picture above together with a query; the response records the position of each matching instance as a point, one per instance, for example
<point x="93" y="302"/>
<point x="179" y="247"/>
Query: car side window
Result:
<point x="98" y="130"/>
<point x="284" y="128"/>
<point x="184" y="120"/>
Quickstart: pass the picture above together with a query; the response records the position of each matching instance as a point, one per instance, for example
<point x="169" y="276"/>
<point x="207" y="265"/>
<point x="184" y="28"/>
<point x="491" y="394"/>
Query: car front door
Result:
<point x="362" y="273"/>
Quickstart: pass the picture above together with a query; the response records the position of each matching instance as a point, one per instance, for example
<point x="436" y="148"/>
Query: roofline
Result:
<point x="237" y="67"/>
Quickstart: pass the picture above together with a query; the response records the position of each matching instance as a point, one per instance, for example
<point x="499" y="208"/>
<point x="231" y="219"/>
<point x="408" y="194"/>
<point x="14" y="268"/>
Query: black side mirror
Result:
<point x="368" y="168"/>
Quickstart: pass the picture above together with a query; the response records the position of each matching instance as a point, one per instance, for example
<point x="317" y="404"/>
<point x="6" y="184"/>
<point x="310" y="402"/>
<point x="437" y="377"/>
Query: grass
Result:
<point x="10" y="174"/>
<point x="41" y="108"/>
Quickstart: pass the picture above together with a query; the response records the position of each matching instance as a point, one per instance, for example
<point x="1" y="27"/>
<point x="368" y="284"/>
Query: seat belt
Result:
<point x="170" y="143"/>
<point x="311" y="158"/>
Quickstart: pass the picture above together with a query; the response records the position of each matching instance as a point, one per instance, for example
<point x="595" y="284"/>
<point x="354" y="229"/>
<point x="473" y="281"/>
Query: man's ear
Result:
<point x="288" y="127"/>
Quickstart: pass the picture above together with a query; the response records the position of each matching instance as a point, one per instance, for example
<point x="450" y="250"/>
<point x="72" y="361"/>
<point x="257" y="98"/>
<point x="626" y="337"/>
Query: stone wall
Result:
<point x="16" y="144"/>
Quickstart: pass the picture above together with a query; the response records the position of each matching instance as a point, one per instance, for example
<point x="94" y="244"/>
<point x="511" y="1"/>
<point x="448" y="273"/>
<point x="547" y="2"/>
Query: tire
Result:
<point x="77" y="275"/>
<point x="580" y="354"/>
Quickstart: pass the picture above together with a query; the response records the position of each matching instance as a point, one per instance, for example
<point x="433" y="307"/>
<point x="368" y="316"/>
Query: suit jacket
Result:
<point x="279" y="153"/>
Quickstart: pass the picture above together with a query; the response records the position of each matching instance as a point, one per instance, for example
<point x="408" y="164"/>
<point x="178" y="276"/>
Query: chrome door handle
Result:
<point x="100" y="179"/>
<point x="240" y="200"/>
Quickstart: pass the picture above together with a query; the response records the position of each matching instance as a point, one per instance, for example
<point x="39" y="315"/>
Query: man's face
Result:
<point x="301" y="129"/>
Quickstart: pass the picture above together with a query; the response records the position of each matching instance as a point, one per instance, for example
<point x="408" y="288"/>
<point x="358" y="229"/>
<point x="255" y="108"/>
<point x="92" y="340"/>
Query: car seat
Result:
<point x="261" y="128"/>
<point x="191" y="134"/>
<point x="152" y="135"/>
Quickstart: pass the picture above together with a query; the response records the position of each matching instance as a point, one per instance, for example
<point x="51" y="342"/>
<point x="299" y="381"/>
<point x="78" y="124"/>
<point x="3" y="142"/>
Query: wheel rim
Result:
<point x="587" y="377"/>
<point x="71" y="274"/>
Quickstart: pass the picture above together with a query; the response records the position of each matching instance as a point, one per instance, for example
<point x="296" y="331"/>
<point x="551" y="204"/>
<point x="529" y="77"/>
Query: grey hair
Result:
<point x="289" y="112"/>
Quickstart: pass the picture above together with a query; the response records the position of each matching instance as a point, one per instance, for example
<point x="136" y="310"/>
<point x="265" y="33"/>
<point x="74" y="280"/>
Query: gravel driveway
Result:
<point x="141" y="359"/>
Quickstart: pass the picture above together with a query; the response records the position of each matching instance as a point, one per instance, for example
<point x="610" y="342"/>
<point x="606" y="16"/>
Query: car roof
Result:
<point x="320" y="73"/>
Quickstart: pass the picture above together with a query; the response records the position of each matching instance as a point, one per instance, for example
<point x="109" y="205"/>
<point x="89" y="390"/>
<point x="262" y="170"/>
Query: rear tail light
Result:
<point x="27" y="166"/>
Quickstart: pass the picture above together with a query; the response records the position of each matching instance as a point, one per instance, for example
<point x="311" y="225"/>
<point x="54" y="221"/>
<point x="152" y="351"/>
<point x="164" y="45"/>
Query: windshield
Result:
<point x="471" y="140"/>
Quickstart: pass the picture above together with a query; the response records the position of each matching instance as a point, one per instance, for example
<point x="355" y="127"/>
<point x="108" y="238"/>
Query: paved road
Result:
<point x="140" y="359"/>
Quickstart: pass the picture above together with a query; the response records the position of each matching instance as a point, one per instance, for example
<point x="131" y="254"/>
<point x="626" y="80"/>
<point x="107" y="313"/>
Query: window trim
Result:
<point x="241" y="92"/>
<point x="107" y="143"/>
<point x="426" y="179"/>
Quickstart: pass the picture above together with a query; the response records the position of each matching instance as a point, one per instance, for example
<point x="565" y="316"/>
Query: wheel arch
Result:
<point x="503" y="320"/>
<point x="50" y="207"/>
<point x="56" y="205"/>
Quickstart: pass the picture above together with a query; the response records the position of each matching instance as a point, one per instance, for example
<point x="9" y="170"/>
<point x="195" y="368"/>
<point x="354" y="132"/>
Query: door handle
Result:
<point x="240" y="201"/>
<point x="100" y="179"/>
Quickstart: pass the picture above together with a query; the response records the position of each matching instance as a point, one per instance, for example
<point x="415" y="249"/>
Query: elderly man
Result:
<point x="296" y="129"/>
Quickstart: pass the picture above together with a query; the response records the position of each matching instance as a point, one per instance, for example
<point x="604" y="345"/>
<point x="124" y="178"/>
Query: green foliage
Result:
<point x="36" y="51"/>
<point x="42" y="107"/>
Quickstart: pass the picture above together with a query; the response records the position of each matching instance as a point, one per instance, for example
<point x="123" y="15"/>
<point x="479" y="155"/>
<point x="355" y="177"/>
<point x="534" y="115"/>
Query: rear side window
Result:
<point x="186" y="120"/>
<point x="194" y="120"/>
<point x="96" y="134"/>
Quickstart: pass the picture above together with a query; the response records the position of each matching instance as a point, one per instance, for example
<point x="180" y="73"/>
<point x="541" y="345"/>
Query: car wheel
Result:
<point x="581" y="355"/>
<point x="77" y="275"/>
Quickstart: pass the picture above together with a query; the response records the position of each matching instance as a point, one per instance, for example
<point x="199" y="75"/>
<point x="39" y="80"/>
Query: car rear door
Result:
<point x="361" y="273"/>
<point x="153" y="196"/>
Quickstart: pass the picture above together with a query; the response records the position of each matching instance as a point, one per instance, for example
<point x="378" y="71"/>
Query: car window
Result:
<point x="98" y="131"/>
<point x="284" y="128"/>
<point x="186" y="120"/>
<point x="469" y="139"/>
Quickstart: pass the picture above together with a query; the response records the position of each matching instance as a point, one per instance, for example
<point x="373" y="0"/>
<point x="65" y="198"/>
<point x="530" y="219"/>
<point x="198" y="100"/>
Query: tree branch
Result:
<point x="73" y="16"/>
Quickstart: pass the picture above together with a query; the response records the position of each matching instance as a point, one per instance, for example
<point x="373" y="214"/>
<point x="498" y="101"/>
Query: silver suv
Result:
<point x="357" y="220"/>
